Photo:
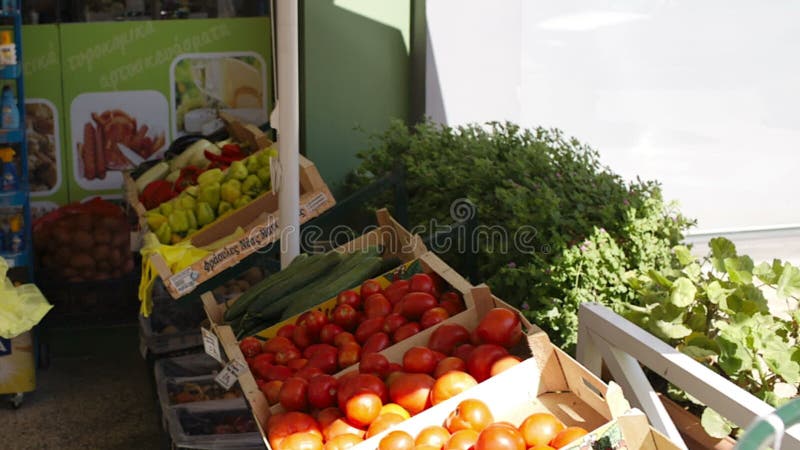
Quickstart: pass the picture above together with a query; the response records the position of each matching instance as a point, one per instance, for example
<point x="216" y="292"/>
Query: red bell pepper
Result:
<point x="156" y="193"/>
<point x="188" y="177"/>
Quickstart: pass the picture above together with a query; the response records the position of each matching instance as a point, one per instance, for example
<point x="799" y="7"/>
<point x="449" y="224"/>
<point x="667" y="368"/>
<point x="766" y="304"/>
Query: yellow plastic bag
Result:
<point x="21" y="307"/>
<point x="177" y="257"/>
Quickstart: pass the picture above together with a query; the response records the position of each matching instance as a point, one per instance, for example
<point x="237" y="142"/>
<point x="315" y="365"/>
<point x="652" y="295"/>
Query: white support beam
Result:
<point x="603" y="332"/>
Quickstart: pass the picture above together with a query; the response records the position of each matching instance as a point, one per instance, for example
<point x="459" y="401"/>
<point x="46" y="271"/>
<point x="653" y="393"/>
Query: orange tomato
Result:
<point x="382" y="423"/>
<point x="412" y="391"/>
<point x="361" y="409"/>
<point x="343" y="442"/>
<point x="451" y="384"/>
<point x="567" y="435"/>
<point x="470" y="414"/>
<point x="503" y="364"/>
<point x="462" y="440"/>
<point x="435" y="436"/>
<point x="394" y="408"/>
<point x="540" y="428"/>
<point x="397" y="440"/>
<point x="301" y="441"/>
<point x="500" y="437"/>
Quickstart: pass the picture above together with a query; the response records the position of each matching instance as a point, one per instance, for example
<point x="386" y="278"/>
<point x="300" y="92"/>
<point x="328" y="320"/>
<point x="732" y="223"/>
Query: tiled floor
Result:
<point x="96" y="394"/>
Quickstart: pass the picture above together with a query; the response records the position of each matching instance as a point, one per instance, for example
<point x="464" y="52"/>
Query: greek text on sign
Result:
<point x="230" y="373"/>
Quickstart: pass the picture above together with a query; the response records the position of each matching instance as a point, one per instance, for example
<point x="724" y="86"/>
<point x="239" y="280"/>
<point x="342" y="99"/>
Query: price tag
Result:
<point x="230" y="373"/>
<point x="211" y="344"/>
<point x="184" y="281"/>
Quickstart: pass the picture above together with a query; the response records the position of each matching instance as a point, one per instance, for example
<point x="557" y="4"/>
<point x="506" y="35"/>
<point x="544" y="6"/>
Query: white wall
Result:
<point x="703" y="96"/>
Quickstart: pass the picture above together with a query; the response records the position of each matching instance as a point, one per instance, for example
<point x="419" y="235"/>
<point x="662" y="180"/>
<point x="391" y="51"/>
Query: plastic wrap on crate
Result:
<point x="194" y="425"/>
<point x="175" y="391"/>
<point x="193" y="365"/>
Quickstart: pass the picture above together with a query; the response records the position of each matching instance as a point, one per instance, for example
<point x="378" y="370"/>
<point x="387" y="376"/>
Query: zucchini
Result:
<point x="307" y="274"/>
<point x="361" y="269"/>
<point x="240" y="305"/>
<point x="277" y="305"/>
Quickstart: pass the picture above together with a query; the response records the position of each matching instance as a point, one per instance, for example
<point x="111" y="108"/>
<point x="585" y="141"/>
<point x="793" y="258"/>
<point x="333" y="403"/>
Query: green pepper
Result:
<point x="209" y="193"/>
<point x="264" y="176"/>
<point x="252" y="164"/>
<point x="154" y="220"/>
<point x="186" y="202"/>
<point x="167" y="207"/>
<point x="191" y="190"/>
<point x="265" y="155"/>
<point x="242" y="201"/>
<point x="204" y="213"/>
<point x="223" y="208"/>
<point x="191" y="219"/>
<point x="231" y="190"/>
<point x="164" y="233"/>
<point x="209" y="177"/>
<point x="251" y="185"/>
<point x="178" y="221"/>
<point x="237" y="171"/>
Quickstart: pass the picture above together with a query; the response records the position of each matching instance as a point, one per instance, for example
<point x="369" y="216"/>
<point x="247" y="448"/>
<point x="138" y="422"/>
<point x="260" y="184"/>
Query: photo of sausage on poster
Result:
<point x="113" y="132"/>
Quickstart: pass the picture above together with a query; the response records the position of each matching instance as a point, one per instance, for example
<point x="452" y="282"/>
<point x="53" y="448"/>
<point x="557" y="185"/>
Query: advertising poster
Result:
<point x="43" y="118"/>
<point x="130" y="88"/>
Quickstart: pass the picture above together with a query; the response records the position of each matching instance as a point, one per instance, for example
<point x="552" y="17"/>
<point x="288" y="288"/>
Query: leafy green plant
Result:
<point x="715" y="310"/>
<point x="587" y="225"/>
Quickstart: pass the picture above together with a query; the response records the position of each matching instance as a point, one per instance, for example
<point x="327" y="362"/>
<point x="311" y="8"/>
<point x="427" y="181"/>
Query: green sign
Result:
<point x="130" y="88"/>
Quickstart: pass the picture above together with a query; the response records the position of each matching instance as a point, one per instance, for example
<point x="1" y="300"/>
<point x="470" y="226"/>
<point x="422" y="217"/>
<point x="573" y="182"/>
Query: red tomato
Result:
<point x="281" y="426"/>
<point x="322" y="391"/>
<point x="294" y="394"/>
<point x="286" y="331"/>
<point x="503" y="364"/>
<point x="452" y="296"/>
<point x="395" y="291"/>
<point x="250" y="347"/>
<point x="297" y="364"/>
<point x="302" y="337"/>
<point x="362" y="408"/>
<point x="272" y="390"/>
<point x="278" y="343"/>
<point x="463" y="351"/>
<point x="540" y="429"/>
<point x="374" y="363"/>
<point x="419" y="360"/>
<point x="273" y="372"/>
<point x="329" y="332"/>
<point x="327" y="415"/>
<point x="340" y="427"/>
<point x="344" y="338"/>
<point x="377" y="305"/>
<point x="314" y="321"/>
<point x="264" y="357"/>
<point x="500" y="326"/>
<point x="470" y="414"/>
<point x="451" y="384"/>
<point x="383" y="422"/>
<point x="567" y="435"/>
<point x="421" y="282"/>
<point x="414" y="304"/>
<point x="447" y="337"/>
<point x="452" y="308"/>
<point x="462" y="440"/>
<point x="286" y="355"/>
<point x="396" y="440"/>
<point x="394" y="367"/>
<point x="479" y="362"/>
<point x="406" y="331"/>
<point x="392" y="322"/>
<point x="500" y="437"/>
<point x="343" y="442"/>
<point x="345" y="316"/>
<point x="349" y="298"/>
<point x="370" y="287"/>
<point x="360" y="382"/>
<point x="448" y="364"/>
<point x="349" y="354"/>
<point x="309" y="351"/>
<point x="376" y="343"/>
<point x="301" y="441"/>
<point x="433" y="316"/>
<point x="308" y="372"/>
<point x="412" y="391"/>
<point x="368" y="328"/>
<point x="326" y="359"/>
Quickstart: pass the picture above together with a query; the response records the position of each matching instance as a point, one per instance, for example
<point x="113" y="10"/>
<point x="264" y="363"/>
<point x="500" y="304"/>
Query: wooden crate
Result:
<point x="258" y="219"/>
<point x="630" y="431"/>
<point x="393" y="237"/>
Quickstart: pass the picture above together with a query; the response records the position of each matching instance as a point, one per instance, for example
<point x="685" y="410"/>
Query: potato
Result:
<point x="116" y="274"/>
<point x="127" y="267"/>
<point x="110" y="223"/>
<point x="121" y="237"/>
<point x="103" y="268"/>
<point x="102" y="253"/>
<point x="82" y="261"/>
<point x="243" y="285"/>
<point x="102" y="236"/>
<point x="63" y="256"/>
<point x="82" y="240"/>
<point x="253" y="275"/>
<point x="115" y="257"/>
<point x="61" y="234"/>
<point x="69" y="272"/>
<point x="82" y="222"/>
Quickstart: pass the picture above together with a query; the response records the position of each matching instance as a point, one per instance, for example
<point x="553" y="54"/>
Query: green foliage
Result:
<point x="715" y="311"/>
<point x="586" y="227"/>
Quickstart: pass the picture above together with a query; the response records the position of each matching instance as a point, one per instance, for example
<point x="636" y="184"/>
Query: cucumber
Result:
<point x="240" y="305"/>
<point x="310" y="272"/>
<point x="276" y="306"/>
<point x="362" y="269"/>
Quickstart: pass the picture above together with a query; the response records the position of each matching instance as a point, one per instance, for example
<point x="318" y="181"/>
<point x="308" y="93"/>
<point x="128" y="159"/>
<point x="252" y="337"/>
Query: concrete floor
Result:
<point x="96" y="394"/>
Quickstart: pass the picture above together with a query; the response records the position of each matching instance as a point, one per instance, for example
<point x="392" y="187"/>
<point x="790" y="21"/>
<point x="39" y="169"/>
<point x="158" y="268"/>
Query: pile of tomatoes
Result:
<point x="471" y="426"/>
<point x="342" y="411"/>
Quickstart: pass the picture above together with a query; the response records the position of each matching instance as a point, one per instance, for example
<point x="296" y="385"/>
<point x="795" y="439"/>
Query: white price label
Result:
<point x="211" y="344"/>
<point x="184" y="281"/>
<point x="230" y="373"/>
